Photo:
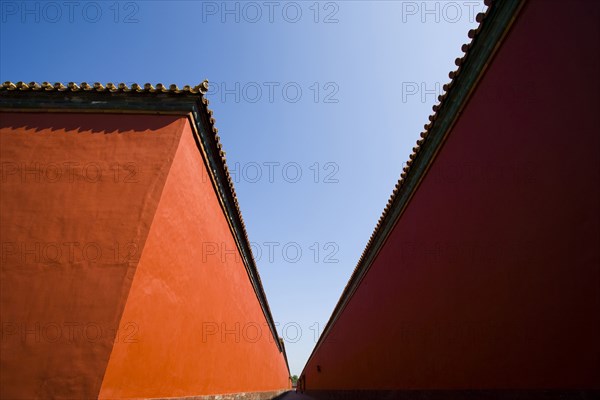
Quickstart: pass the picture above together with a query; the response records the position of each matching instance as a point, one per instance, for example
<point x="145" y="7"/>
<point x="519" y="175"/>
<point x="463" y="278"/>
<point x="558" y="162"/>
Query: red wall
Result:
<point x="491" y="277"/>
<point x="61" y="306"/>
<point x="158" y="292"/>
<point x="190" y="282"/>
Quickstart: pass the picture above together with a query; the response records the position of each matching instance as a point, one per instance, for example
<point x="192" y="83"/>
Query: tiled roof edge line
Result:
<point x="494" y="24"/>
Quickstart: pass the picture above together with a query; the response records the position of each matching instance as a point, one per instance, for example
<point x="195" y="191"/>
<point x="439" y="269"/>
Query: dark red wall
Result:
<point x="491" y="277"/>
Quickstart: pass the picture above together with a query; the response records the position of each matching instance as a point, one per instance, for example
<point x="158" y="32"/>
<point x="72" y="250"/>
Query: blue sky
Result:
<point x="318" y="105"/>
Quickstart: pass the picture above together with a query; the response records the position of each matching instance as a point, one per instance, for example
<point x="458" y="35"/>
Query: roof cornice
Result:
<point x="110" y="87"/>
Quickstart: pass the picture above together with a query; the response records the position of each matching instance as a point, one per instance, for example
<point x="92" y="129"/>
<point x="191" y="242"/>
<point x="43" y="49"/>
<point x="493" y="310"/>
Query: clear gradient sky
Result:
<point x="318" y="105"/>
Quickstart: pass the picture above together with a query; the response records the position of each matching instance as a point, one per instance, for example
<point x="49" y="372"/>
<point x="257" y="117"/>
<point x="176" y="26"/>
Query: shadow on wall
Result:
<point x="82" y="122"/>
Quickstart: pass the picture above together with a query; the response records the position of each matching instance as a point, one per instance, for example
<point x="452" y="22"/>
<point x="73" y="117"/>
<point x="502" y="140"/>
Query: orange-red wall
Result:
<point x="490" y="279"/>
<point x="183" y="292"/>
<point x="149" y="218"/>
<point x="61" y="304"/>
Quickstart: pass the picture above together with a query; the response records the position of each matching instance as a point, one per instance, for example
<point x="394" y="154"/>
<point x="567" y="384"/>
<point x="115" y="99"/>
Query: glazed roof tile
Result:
<point x="200" y="89"/>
